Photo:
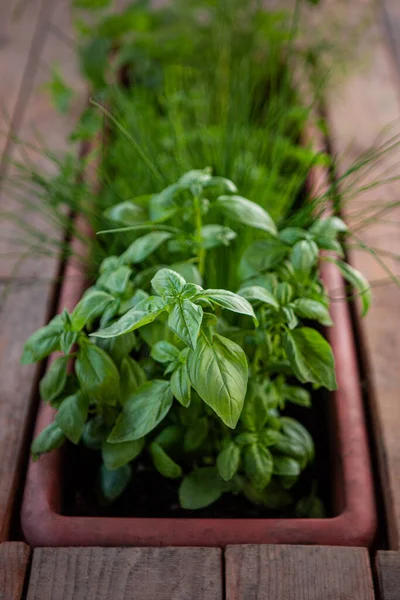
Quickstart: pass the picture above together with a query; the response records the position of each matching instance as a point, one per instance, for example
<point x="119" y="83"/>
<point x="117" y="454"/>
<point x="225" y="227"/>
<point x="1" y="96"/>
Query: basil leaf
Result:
<point x="143" y="246"/>
<point x="297" y="395"/>
<point x="163" y="463"/>
<point x="162" y="206"/>
<point x="247" y="212"/>
<point x="327" y="243"/>
<point x="259" y="294"/>
<point x="199" y="176"/>
<point x="126" y="213"/>
<point x="116" y="281"/>
<point x="303" y="257"/>
<point x="261" y="256"/>
<point x="221" y="184"/>
<point x="180" y="385"/>
<point x="168" y="282"/>
<point x="113" y="483"/>
<point x="310" y="357"/>
<point x="89" y="308"/>
<point x="50" y="438"/>
<point x="170" y="437"/>
<point x="195" y="435"/>
<point x="42" y="343"/>
<point x="53" y="383"/>
<point x="228" y="461"/>
<point x="110" y="263"/>
<point x="284" y="465"/>
<point x="230" y="301"/>
<point x="164" y="352"/>
<point x="97" y="374"/>
<point x="132" y="376"/>
<point x="145" y="312"/>
<point x="95" y="432"/>
<point x="143" y="411"/>
<point x="359" y="283"/>
<point x="218" y="372"/>
<point x="329" y="227"/>
<point x="189" y="272"/>
<point x="258" y="465"/>
<point x="201" y="488"/>
<point x="67" y="340"/>
<point x="118" y="348"/>
<point x="117" y="455"/>
<point x="72" y="414"/>
<point x="185" y="321"/>
<point x="311" y="309"/>
<point x="284" y="293"/>
<point x="292" y="235"/>
<point x="216" y="235"/>
<point x="298" y="433"/>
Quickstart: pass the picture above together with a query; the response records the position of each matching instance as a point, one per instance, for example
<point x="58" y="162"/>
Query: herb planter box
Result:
<point x="354" y="515"/>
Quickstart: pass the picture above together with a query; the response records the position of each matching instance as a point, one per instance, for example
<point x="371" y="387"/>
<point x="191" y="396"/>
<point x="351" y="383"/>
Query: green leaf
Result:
<point x="329" y="227"/>
<point x="145" y="312"/>
<point x="297" y="395"/>
<point x="285" y="465"/>
<point x="42" y="343"/>
<point x="118" y="348"/>
<point x="143" y="411"/>
<point x="163" y="463"/>
<point x="284" y="293"/>
<point x="113" y="483"/>
<point x="118" y="455"/>
<point x="170" y="437"/>
<point x="97" y="374"/>
<point x="261" y="256"/>
<point x="132" y="376"/>
<point x="298" y="433"/>
<point x="195" y="435"/>
<point x="95" y="432"/>
<point x="310" y="357"/>
<point x="228" y="461"/>
<point x="201" y="488"/>
<point x="168" y="282"/>
<point x="89" y="308"/>
<point x="359" y="283"/>
<point x="50" y="438"/>
<point x="256" y="293"/>
<point x="303" y="257"/>
<point x="164" y="352"/>
<point x="72" y="414"/>
<point x="218" y="372"/>
<point x="126" y="213"/>
<point x="247" y="212"/>
<point x="53" y="383"/>
<point x="258" y="465"/>
<point x="93" y="59"/>
<point x="213" y="236"/>
<point x="116" y="281"/>
<point x="61" y="93"/>
<point x="180" y="385"/>
<point x="67" y="340"/>
<point x="162" y="206"/>
<point x="143" y="246"/>
<point x="327" y="243"/>
<point x="255" y="410"/>
<point x="230" y="301"/>
<point x="311" y="309"/>
<point x="292" y="235"/>
<point x="185" y="321"/>
<point x="220" y="185"/>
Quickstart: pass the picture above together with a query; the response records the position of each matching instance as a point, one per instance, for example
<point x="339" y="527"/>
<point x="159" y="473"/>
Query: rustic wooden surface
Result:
<point x="297" y="573"/>
<point x="14" y="559"/>
<point x="126" y="574"/>
<point x="388" y="572"/>
<point x="28" y="47"/>
<point x="359" y="107"/>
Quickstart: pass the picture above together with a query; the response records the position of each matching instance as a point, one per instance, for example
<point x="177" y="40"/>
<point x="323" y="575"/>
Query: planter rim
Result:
<point x="356" y="525"/>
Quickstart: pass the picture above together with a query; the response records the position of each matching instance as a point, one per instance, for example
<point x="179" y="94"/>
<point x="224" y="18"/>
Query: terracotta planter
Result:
<point x="353" y="494"/>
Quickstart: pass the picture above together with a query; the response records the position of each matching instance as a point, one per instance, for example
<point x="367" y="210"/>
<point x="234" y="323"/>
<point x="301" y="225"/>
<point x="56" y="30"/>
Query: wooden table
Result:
<point x="359" y="104"/>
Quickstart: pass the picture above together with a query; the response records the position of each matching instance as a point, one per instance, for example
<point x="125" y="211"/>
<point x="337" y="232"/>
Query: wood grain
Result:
<point x="388" y="571"/>
<point x="126" y="574"/>
<point x="297" y="573"/>
<point x="14" y="559"/>
<point x="358" y="109"/>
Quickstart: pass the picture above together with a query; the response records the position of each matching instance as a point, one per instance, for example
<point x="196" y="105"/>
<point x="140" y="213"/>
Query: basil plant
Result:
<point x="156" y="366"/>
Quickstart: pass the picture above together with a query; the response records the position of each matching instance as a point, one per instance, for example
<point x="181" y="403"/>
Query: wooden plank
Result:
<point x="391" y="15"/>
<point x="14" y="559"/>
<point x="359" y="107"/>
<point x="297" y="573"/>
<point x="126" y="574"/>
<point x="388" y="571"/>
